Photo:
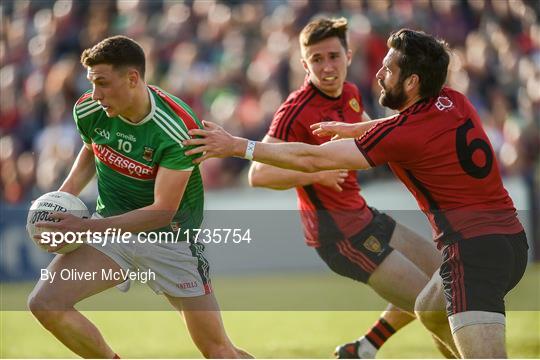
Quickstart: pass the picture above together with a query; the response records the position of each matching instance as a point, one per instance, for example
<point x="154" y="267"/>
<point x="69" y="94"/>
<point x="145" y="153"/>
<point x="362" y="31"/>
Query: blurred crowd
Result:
<point x="235" y="61"/>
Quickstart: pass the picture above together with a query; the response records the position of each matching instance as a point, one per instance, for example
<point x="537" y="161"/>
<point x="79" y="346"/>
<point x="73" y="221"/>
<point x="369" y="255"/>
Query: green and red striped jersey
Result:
<point x="128" y="155"/>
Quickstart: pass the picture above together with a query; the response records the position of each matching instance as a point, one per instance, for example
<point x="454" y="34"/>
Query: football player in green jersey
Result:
<point x="132" y="136"/>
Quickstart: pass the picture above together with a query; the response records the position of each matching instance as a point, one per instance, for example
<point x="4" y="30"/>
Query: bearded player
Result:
<point x="132" y="136"/>
<point x="437" y="147"/>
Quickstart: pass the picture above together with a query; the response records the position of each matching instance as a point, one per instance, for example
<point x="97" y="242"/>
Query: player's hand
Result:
<point x="332" y="179"/>
<point x="213" y="142"/>
<point x="65" y="223"/>
<point x="334" y="129"/>
<point x="48" y="246"/>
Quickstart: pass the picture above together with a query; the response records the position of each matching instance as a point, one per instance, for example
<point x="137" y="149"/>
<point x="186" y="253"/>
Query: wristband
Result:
<point x="249" y="150"/>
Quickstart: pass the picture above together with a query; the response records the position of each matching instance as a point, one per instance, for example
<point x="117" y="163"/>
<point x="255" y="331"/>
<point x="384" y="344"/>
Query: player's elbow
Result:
<point x="259" y="176"/>
<point x="255" y="178"/>
<point x="167" y="218"/>
<point x="163" y="221"/>
<point x="258" y="181"/>
<point x="162" y="216"/>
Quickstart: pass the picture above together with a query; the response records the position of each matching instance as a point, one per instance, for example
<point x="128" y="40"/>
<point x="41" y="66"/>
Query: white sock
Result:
<point x="366" y="350"/>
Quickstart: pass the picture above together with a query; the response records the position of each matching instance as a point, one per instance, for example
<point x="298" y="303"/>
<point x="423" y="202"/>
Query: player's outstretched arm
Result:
<point x="340" y="130"/>
<point x="336" y="130"/>
<point x="213" y="141"/>
<point x="82" y="171"/>
<point x="268" y="176"/>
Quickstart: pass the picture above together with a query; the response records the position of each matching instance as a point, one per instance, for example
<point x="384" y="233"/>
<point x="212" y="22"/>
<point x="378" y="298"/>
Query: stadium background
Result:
<point x="234" y="62"/>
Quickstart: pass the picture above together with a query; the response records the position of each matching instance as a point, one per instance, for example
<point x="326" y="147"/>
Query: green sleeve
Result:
<point x="175" y="159"/>
<point x="173" y="156"/>
<point x="83" y="132"/>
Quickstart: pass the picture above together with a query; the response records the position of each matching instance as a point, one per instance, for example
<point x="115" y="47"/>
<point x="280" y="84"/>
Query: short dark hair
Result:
<point x="324" y="28"/>
<point x="118" y="51"/>
<point x="423" y="55"/>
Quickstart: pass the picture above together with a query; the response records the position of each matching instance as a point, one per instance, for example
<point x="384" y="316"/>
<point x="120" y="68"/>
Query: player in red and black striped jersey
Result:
<point x="353" y="239"/>
<point x="437" y="147"/>
<point x="449" y="167"/>
<point x="292" y="122"/>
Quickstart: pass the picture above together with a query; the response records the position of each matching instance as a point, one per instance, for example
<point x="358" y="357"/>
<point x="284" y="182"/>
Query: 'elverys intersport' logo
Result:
<point x="123" y="164"/>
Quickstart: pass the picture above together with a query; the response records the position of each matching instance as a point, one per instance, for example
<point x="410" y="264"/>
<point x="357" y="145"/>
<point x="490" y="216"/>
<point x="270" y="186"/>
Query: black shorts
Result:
<point x="477" y="273"/>
<point x="358" y="256"/>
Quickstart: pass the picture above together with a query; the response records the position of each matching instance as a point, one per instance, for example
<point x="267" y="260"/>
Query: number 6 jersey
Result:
<point x="440" y="151"/>
<point x="128" y="155"/>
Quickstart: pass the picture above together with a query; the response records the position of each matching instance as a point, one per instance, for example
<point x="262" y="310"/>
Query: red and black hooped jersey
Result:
<point x="440" y="151"/>
<point x="327" y="215"/>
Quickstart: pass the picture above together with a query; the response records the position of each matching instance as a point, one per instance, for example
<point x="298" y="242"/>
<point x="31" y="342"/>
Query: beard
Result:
<point x="394" y="98"/>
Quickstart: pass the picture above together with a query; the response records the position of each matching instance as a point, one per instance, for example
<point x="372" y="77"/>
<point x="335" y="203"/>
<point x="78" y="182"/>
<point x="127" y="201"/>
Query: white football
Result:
<point x="56" y="201"/>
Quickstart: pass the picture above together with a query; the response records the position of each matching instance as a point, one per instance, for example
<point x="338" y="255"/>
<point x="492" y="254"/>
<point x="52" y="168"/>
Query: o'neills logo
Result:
<point x="123" y="164"/>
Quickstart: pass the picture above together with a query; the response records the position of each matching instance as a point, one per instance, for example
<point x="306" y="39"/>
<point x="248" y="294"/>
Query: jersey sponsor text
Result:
<point x="123" y="164"/>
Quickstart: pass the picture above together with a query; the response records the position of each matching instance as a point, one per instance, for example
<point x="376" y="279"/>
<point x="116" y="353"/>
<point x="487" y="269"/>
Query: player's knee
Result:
<point x="429" y="300"/>
<point x="421" y="303"/>
<point x="430" y="312"/>
<point x="37" y="303"/>
<point x="434" y="321"/>
<point x="45" y="309"/>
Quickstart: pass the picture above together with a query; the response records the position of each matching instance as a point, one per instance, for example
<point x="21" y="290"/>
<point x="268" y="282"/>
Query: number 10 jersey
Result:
<point x="128" y="155"/>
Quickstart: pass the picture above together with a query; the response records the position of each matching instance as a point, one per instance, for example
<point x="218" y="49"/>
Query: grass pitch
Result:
<point x="269" y="334"/>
